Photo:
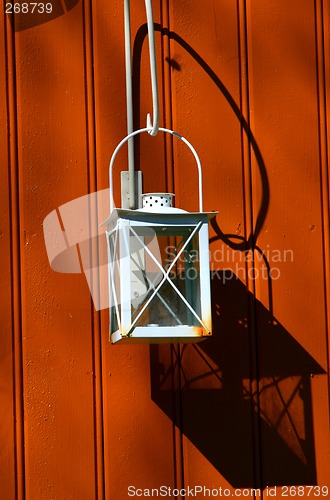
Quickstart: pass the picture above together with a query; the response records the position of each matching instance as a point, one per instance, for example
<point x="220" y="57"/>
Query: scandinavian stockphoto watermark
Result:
<point x="228" y="264"/>
<point x="249" y="264"/>
<point x="76" y="243"/>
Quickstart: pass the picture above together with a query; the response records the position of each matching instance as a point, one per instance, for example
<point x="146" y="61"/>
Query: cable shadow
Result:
<point x="136" y="63"/>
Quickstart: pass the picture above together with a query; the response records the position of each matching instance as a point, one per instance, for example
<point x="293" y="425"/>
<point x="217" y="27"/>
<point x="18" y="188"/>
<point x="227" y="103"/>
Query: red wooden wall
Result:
<point x="247" y="82"/>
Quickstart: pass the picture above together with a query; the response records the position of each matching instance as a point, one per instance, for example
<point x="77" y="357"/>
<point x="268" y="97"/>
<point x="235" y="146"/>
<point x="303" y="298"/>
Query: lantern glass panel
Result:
<point x="166" y="270"/>
<point x="114" y="280"/>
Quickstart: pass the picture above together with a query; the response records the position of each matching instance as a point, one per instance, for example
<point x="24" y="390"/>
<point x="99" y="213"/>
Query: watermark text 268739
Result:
<point x="28" y="8"/>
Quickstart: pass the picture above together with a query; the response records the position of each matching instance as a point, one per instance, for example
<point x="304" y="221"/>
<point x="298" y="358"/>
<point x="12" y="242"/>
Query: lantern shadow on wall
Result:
<point x="221" y="403"/>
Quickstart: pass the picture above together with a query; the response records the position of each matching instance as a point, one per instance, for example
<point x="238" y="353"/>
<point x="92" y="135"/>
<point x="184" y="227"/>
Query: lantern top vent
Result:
<point x="157" y="200"/>
<point x="159" y="203"/>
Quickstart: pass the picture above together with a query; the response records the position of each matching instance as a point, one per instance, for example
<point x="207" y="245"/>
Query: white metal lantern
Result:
<point x="159" y="272"/>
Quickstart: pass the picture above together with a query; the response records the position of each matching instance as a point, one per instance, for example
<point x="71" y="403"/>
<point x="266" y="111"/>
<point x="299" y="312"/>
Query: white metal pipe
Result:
<point x="154" y="125"/>
<point x="129" y="103"/>
<point x="168" y="131"/>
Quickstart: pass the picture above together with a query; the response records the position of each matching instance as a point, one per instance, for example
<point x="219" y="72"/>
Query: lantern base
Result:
<point x="162" y="335"/>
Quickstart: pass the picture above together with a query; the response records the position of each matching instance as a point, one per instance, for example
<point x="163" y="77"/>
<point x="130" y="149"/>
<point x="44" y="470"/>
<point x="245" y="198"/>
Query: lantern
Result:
<point x="159" y="272"/>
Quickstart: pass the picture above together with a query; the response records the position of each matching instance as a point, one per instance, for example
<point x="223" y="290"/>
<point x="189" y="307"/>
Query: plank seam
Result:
<point x="89" y="84"/>
<point x="178" y="442"/>
<point x="247" y="181"/>
<point x="13" y="174"/>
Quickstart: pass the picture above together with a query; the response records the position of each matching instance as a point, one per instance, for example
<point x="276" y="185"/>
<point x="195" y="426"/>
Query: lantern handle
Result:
<point x="168" y="131"/>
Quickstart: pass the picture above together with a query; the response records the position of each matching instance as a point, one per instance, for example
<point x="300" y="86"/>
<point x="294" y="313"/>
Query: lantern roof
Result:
<point x="170" y="215"/>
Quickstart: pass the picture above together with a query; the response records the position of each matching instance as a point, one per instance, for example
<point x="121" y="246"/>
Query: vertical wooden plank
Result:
<point x="254" y="221"/>
<point x="8" y="408"/>
<point x="210" y="107"/>
<point x="321" y="390"/>
<point x="291" y="311"/>
<point x="56" y="308"/>
<point x="138" y="436"/>
<point x="165" y="362"/>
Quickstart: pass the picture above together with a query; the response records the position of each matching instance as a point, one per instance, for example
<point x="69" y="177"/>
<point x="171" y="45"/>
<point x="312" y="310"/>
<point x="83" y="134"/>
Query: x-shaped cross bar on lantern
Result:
<point x="165" y="278"/>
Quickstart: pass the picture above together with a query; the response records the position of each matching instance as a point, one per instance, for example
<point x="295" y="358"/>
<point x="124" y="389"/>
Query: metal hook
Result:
<point x="154" y="126"/>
